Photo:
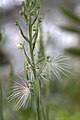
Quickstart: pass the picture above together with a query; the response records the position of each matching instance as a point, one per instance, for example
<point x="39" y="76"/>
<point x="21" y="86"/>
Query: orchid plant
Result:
<point x="38" y="69"/>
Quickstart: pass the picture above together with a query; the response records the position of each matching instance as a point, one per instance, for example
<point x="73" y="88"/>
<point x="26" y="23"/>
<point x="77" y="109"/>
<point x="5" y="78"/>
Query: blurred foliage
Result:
<point x="1" y="103"/>
<point x="4" y="58"/>
<point x="73" y="27"/>
<point x="66" y="116"/>
<point x="0" y="36"/>
<point x="73" y="51"/>
<point x="1" y="97"/>
<point x="70" y="15"/>
<point x="71" y="91"/>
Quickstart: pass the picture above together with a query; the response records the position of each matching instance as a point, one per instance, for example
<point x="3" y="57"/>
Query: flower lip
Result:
<point x="20" y="93"/>
<point x="58" y="66"/>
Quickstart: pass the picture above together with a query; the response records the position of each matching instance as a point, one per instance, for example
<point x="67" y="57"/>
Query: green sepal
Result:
<point x="21" y="31"/>
<point x="24" y="36"/>
<point x="35" y="36"/>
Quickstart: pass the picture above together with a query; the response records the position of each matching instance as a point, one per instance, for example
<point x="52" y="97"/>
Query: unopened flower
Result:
<point x="57" y="66"/>
<point x="20" y="47"/>
<point x="20" y="94"/>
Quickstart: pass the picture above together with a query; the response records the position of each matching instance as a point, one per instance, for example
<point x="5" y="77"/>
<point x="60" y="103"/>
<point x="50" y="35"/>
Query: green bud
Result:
<point x="20" y="47"/>
<point x="32" y="14"/>
<point x="48" y="59"/>
<point x="34" y="29"/>
<point x="22" y="2"/>
<point x="38" y="6"/>
<point x="17" y="23"/>
<point x="21" y="13"/>
<point x="39" y="20"/>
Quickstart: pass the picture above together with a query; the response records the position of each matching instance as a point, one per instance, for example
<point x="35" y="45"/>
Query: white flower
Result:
<point x="57" y="66"/>
<point x="21" y="93"/>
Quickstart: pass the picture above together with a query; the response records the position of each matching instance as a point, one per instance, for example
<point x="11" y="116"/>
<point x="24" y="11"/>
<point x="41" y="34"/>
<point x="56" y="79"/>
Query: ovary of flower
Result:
<point x="20" y="93"/>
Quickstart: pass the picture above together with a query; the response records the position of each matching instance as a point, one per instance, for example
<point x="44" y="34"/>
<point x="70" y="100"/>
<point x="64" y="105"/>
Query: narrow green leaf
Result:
<point x="1" y="111"/>
<point x="70" y="14"/>
<point x="70" y="29"/>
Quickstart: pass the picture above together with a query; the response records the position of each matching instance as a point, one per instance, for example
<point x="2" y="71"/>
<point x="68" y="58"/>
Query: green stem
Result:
<point x="47" y="108"/>
<point x="31" y="48"/>
<point x="1" y="112"/>
<point x="38" y="108"/>
<point x="33" y="68"/>
<point x="42" y="107"/>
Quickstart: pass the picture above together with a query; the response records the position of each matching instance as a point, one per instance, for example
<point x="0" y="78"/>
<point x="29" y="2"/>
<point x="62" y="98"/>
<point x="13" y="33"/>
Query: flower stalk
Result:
<point x="31" y="20"/>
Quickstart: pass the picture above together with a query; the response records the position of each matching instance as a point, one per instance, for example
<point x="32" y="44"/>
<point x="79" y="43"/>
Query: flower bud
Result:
<point x="34" y="28"/>
<point x="20" y="47"/>
<point x="21" y="13"/>
<point x="17" y="23"/>
<point x="38" y="6"/>
<point x="40" y="20"/>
